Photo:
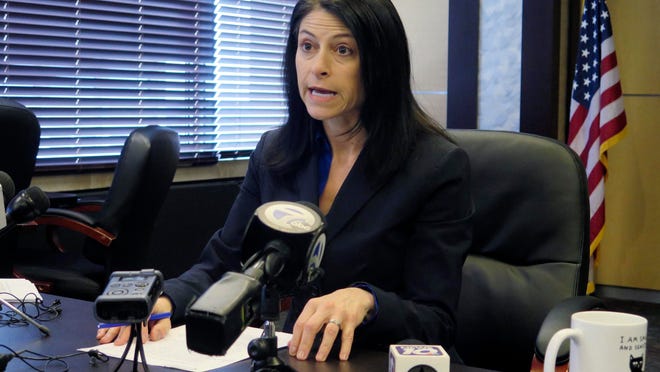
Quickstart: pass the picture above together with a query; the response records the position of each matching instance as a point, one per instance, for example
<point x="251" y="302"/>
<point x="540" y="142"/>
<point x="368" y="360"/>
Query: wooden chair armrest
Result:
<point x="99" y="234"/>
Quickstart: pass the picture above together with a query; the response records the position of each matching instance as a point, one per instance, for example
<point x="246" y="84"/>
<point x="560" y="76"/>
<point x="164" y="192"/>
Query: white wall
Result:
<point x="426" y="23"/>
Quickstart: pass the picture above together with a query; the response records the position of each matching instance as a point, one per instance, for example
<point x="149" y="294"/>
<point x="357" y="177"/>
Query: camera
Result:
<point x="129" y="296"/>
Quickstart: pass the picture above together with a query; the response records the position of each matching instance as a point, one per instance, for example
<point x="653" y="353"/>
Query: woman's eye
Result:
<point x="306" y="46"/>
<point x="344" y="50"/>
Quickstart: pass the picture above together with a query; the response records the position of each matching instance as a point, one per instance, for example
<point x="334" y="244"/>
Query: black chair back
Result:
<point x="530" y="248"/>
<point x="19" y="142"/>
<point x="139" y="187"/>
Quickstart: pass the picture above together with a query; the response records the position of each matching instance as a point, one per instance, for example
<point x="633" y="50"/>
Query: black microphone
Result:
<point x="44" y="330"/>
<point x="288" y="240"/>
<point x="27" y="205"/>
<point x="8" y="189"/>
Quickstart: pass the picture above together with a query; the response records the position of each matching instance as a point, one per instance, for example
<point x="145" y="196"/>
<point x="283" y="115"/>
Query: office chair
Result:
<point x="19" y="143"/>
<point x="531" y="245"/>
<point x="119" y="232"/>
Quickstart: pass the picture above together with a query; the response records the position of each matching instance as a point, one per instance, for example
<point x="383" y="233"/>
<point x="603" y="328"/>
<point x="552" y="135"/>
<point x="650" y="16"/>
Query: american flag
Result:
<point x="597" y="117"/>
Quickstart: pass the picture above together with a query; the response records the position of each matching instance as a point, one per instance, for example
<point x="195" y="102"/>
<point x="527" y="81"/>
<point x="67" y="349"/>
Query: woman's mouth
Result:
<point x="321" y="92"/>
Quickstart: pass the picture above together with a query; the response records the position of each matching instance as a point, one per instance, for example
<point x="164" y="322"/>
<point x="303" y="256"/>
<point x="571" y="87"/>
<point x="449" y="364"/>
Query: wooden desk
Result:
<point x="75" y="329"/>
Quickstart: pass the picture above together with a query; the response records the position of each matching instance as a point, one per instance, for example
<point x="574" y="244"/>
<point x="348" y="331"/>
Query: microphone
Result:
<point x="299" y="225"/>
<point x="414" y="356"/>
<point x="24" y="207"/>
<point x="8" y="189"/>
<point x="27" y="318"/>
<point x="27" y="205"/>
<point x="288" y="239"/>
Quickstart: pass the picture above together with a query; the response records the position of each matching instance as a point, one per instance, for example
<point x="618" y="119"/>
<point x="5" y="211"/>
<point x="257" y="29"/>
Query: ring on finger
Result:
<point x="335" y="322"/>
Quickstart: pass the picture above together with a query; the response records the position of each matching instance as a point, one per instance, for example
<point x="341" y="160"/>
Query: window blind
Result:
<point x="250" y="41"/>
<point x="92" y="71"/>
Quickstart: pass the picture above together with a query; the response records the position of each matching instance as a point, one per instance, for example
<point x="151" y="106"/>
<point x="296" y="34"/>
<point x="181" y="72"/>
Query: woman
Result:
<point x="393" y="188"/>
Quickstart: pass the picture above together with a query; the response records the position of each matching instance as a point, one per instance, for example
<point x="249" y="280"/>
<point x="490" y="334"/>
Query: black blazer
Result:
<point x="406" y="237"/>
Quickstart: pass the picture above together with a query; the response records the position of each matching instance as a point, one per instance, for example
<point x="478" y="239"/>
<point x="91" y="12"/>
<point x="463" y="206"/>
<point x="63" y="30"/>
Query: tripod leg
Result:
<point x="128" y="346"/>
<point x="139" y="349"/>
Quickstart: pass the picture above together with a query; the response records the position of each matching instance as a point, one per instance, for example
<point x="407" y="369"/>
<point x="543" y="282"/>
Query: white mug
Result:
<point x="601" y="341"/>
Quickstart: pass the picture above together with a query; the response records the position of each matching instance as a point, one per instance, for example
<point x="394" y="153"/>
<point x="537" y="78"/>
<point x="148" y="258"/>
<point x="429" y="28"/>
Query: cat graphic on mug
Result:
<point x="636" y="364"/>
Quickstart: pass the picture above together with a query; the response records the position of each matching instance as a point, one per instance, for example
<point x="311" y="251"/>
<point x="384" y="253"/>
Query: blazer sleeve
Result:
<point x="222" y="253"/>
<point x="424" y="309"/>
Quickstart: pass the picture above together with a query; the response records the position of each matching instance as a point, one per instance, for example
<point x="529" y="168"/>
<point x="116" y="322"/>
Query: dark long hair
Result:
<point x="390" y="114"/>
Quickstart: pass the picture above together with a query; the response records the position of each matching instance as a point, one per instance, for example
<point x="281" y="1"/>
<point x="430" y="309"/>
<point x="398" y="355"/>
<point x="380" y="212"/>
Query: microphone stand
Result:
<point x="44" y="330"/>
<point x="263" y="350"/>
<point x="138" y="353"/>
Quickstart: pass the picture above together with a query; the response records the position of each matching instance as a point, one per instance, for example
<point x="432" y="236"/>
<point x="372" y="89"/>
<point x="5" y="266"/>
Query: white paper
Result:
<point x="16" y="289"/>
<point x="172" y="351"/>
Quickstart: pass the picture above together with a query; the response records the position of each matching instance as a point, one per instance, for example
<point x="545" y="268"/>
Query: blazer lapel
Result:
<point x="353" y="194"/>
<point x="307" y="181"/>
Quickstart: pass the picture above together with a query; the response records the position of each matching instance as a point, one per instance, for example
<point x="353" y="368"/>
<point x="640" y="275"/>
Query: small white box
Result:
<point x="403" y="358"/>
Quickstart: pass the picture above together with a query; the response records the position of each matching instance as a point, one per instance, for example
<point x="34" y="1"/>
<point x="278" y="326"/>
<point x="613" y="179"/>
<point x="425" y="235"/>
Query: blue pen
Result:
<point x="158" y="316"/>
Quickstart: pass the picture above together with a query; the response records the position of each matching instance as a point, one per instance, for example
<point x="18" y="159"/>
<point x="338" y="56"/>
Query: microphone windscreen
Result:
<point x="27" y="205"/>
<point x="8" y="187"/>
<point x="407" y="357"/>
<point x="297" y="226"/>
<point x="39" y="197"/>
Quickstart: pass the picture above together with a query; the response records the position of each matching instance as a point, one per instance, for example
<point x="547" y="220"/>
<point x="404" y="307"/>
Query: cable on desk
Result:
<point x="31" y="305"/>
<point x="27" y="356"/>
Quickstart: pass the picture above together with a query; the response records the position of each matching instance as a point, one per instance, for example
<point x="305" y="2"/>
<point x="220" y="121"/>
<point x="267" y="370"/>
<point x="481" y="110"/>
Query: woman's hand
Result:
<point x="342" y="310"/>
<point x="156" y="329"/>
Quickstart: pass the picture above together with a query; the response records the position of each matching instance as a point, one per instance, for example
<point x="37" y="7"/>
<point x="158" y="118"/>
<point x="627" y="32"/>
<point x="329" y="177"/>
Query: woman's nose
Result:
<point x="321" y="64"/>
